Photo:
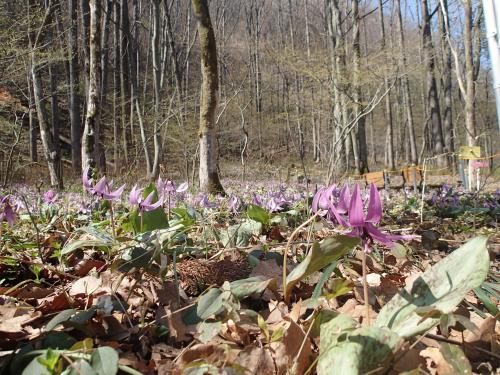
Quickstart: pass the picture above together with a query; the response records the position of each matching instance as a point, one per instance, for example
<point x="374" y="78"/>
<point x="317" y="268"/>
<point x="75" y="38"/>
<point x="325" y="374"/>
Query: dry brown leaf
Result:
<point x="178" y="330"/>
<point x="86" y="285"/>
<point x="436" y="363"/>
<point x="286" y="351"/>
<point x="256" y="360"/>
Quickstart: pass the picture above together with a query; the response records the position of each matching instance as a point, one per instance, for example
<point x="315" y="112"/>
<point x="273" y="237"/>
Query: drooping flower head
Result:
<point x="349" y="212"/>
<point x="102" y="188"/>
<point x="50" y="196"/>
<point x="7" y="212"/>
<point x="234" y="204"/>
<point x="144" y="204"/>
<point x="169" y="187"/>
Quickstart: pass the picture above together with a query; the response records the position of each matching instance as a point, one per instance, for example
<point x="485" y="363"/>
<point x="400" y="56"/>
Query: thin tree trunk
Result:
<point x="406" y="89"/>
<point x="208" y="173"/>
<point x="74" y="82"/>
<point x="470" y="100"/>
<point x="91" y="117"/>
<point x="447" y="83"/>
<point x="157" y="86"/>
<point x="390" y="162"/>
<point x="432" y="94"/>
<point x="360" y="138"/>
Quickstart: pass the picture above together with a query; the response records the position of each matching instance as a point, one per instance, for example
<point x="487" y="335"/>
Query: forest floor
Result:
<point x="196" y="284"/>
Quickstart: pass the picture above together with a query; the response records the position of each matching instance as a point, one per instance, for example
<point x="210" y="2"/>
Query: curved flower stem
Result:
<point x="365" y="288"/>
<point x="112" y="219"/>
<point x="285" y="252"/>
<point x="142" y="221"/>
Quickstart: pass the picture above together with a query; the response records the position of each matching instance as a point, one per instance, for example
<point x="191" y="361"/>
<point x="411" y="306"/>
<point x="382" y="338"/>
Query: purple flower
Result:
<point x="274" y="205"/>
<point x="102" y="188"/>
<point x="233" y="204"/>
<point x="6" y="211"/>
<point x="50" y="196"/>
<point x="167" y="186"/>
<point x="349" y="212"/>
<point x="257" y="199"/>
<point x="145" y="205"/>
<point x="206" y="203"/>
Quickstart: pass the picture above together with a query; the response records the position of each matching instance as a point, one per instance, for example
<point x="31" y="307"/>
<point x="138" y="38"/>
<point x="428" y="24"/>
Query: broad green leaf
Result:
<point x="240" y="235"/>
<point x="455" y="358"/>
<point x="257" y="213"/>
<point x="35" y="368"/>
<point x="442" y="287"/>
<point x="338" y="287"/>
<point x="356" y="352"/>
<point x="208" y="330"/>
<point x="79" y="244"/>
<point x="79" y="367"/>
<point x="252" y="285"/>
<point x="104" y="361"/>
<point x="210" y="303"/>
<point x="85" y="344"/>
<point x="62" y="317"/>
<point x="487" y="302"/>
<point x="132" y="257"/>
<point x="58" y="340"/>
<point x="321" y="254"/>
<point x="151" y="220"/>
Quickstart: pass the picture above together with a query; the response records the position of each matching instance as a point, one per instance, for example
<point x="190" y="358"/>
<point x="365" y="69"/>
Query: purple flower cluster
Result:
<point x="7" y="212"/>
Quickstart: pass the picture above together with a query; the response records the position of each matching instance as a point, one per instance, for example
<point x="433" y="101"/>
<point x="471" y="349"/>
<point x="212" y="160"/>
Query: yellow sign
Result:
<point x="469" y="153"/>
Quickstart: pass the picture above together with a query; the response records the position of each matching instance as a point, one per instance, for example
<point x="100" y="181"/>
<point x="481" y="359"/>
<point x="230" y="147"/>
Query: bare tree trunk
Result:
<point x="52" y="157"/>
<point x="390" y="162"/>
<point x="470" y="100"/>
<point x="406" y="89"/>
<point x="447" y="84"/>
<point x="361" y="123"/>
<point x="32" y="120"/>
<point x="91" y="117"/>
<point x="124" y="58"/>
<point x="156" y="84"/>
<point x="208" y="173"/>
<point x="85" y="12"/>
<point x="116" y="84"/>
<point x="74" y="82"/>
<point x="432" y="94"/>
<point x="104" y="48"/>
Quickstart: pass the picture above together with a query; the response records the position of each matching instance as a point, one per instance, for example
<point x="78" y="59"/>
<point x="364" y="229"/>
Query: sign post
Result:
<point x="469" y="153"/>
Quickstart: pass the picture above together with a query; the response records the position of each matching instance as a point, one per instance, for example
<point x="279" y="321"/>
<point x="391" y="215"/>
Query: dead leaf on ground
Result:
<point x="256" y="360"/>
<point x="86" y="285"/>
<point x="286" y="350"/>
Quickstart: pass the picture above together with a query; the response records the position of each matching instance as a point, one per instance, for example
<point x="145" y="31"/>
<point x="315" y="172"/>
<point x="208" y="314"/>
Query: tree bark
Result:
<point x="447" y="83"/>
<point x="361" y="123"/>
<point x="432" y="94"/>
<point x="208" y="173"/>
<point x="470" y="100"/>
<point x="406" y="89"/>
<point x="74" y="96"/>
<point x="390" y="162"/>
<point x="91" y="117"/>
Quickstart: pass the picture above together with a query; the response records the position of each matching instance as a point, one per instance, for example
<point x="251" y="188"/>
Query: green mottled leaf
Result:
<point x="62" y="317"/>
<point x="257" y="213"/>
<point x="441" y="287"/>
<point x="252" y="285"/>
<point x="455" y="358"/>
<point x="352" y="352"/>
<point x="321" y="254"/>
<point x="104" y="361"/>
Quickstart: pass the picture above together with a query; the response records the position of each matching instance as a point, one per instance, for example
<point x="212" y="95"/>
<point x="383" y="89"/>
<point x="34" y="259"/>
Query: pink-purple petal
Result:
<point x="374" y="214"/>
<point x="356" y="214"/>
